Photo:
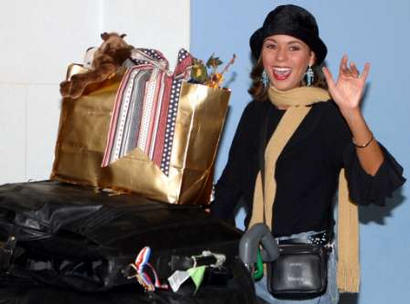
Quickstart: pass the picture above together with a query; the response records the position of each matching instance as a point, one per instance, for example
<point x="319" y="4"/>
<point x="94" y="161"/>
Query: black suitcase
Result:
<point x="73" y="237"/>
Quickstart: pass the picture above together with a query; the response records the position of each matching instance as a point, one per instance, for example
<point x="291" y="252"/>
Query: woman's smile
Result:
<point x="281" y="73"/>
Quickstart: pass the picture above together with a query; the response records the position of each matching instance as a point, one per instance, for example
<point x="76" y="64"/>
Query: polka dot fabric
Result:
<point x="153" y="103"/>
<point x="183" y="56"/>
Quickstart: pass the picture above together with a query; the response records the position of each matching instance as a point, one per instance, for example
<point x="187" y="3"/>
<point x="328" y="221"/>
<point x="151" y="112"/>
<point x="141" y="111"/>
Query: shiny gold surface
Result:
<point x="82" y="135"/>
<point x="75" y="68"/>
<point x="201" y="114"/>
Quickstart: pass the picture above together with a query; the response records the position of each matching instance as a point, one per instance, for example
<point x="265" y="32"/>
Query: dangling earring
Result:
<point x="265" y="78"/>
<point x="310" y="76"/>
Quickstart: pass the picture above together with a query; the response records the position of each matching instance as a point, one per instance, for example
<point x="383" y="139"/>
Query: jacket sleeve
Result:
<point x="235" y="181"/>
<point x="364" y="189"/>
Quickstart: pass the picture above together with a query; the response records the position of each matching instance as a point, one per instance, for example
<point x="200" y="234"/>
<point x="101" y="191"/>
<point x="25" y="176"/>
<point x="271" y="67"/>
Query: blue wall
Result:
<point x="373" y="31"/>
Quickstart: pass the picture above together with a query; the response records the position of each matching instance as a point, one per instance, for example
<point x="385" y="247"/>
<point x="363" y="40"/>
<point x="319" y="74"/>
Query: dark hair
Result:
<point x="259" y="91"/>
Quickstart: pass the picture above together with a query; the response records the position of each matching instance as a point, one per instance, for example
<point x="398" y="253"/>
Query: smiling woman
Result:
<point x="286" y="59"/>
<point x="296" y="144"/>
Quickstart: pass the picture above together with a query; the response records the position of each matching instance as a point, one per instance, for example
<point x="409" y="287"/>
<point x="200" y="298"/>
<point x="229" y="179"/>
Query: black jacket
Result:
<point x="306" y="172"/>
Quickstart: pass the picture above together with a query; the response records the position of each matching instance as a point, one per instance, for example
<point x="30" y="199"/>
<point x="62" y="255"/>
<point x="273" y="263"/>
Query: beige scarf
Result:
<point x="298" y="100"/>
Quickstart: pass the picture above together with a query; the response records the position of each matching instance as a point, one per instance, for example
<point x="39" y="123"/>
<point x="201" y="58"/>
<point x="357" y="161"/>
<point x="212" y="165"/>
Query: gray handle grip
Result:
<point x="250" y="241"/>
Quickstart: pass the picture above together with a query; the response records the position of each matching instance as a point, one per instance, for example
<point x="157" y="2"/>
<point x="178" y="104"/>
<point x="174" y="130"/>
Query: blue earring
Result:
<point x="310" y="76"/>
<point x="265" y="78"/>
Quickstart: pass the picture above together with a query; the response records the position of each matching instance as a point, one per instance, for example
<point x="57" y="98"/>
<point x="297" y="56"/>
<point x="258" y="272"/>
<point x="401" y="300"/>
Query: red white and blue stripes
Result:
<point x="145" y="108"/>
<point x="140" y="265"/>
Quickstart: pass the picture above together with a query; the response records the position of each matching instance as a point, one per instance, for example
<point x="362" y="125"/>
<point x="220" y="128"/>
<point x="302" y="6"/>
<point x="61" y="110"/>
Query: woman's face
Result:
<point x="285" y="60"/>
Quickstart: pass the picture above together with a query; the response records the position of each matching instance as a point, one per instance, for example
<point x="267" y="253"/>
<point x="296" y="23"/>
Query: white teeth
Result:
<point x="281" y="70"/>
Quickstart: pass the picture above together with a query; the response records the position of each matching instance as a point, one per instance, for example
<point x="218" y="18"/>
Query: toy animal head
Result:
<point x="107" y="59"/>
<point x="113" y="46"/>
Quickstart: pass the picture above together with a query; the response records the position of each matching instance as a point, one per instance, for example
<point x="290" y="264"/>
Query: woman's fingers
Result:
<point x="354" y="70"/>
<point x="351" y="70"/>
<point x="365" y="72"/>
<point x="343" y="65"/>
<point x="345" y="70"/>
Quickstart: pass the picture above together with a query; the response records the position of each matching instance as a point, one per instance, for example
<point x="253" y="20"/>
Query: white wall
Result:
<point x="39" y="38"/>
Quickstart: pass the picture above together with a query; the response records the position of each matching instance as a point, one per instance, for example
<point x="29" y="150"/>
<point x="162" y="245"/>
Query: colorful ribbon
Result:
<point x="140" y="265"/>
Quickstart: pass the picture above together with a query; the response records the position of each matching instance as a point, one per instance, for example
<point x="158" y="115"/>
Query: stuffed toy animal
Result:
<point x="107" y="59"/>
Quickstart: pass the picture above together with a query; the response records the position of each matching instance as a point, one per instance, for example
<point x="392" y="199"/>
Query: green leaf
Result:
<point x="213" y="62"/>
<point x="199" y="71"/>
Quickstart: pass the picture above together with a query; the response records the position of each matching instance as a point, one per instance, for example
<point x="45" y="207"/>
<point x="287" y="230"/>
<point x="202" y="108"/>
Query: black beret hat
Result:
<point x="290" y="20"/>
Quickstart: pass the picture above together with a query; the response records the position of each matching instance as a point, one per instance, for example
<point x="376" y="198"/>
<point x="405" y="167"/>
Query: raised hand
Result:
<point x="348" y="90"/>
<point x="347" y="93"/>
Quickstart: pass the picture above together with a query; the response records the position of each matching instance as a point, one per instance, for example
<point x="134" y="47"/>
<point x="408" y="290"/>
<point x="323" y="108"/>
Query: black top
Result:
<point x="307" y="170"/>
